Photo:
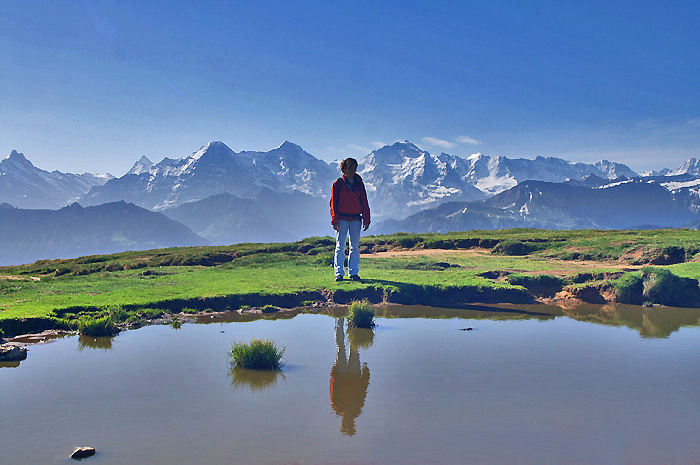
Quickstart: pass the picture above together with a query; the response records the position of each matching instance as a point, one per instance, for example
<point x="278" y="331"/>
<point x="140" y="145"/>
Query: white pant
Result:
<point x="345" y="227"/>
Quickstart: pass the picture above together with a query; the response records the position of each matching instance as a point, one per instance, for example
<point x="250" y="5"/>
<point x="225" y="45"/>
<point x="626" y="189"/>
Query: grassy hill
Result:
<point x="515" y="266"/>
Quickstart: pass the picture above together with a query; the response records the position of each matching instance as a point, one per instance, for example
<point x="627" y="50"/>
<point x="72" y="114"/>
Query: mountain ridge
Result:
<point x="23" y="185"/>
<point x="72" y="231"/>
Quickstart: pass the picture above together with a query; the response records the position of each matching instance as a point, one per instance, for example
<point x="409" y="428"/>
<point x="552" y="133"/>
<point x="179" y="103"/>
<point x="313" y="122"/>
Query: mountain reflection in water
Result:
<point x="349" y="378"/>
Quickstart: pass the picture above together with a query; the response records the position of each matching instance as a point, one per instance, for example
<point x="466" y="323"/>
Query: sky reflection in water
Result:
<point x="529" y="385"/>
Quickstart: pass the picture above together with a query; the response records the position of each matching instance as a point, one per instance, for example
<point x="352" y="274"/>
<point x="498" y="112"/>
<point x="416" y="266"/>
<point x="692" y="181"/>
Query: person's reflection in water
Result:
<point x="349" y="379"/>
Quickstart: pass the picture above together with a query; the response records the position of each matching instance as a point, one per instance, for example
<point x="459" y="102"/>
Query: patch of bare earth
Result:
<point x="559" y="267"/>
<point x="20" y="278"/>
<point x="428" y="252"/>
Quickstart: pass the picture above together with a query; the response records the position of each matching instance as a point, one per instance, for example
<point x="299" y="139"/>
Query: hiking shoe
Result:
<point x="355" y="278"/>
<point x="338" y="277"/>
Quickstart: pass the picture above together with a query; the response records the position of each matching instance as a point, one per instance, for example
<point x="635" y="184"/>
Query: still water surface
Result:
<point x="529" y="385"/>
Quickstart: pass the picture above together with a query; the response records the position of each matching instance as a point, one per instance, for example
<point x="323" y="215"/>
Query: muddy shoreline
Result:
<point x="39" y="330"/>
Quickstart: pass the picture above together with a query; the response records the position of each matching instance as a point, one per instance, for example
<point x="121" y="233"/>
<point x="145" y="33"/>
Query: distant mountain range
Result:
<point x="73" y="231"/>
<point x="216" y="169"/>
<point x="401" y="179"/>
<point x="627" y="204"/>
<point x="282" y="195"/>
<point x="26" y="186"/>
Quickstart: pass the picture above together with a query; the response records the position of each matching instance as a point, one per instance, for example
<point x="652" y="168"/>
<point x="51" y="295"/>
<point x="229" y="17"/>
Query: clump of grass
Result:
<point x="97" y="327"/>
<point x="176" y="323"/>
<point x="538" y="280"/>
<point x="361" y="314"/>
<point x="665" y="288"/>
<point x="268" y="309"/>
<point x="513" y="247"/>
<point x="259" y="354"/>
<point x="629" y="288"/>
<point x="657" y="286"/>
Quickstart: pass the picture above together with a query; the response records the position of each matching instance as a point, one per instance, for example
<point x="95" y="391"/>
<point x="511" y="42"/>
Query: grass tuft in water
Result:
<point x="259" y="354"/>
<point x="97" y="327"/>
<point x="361" y="314"/>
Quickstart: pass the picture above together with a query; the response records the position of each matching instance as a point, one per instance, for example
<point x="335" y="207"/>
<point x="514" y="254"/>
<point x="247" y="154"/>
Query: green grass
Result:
<point x="259" y="354"/>
<point x="145" y="284"/>
<point x="361" y="315"/>
<point x="97" y="327"/>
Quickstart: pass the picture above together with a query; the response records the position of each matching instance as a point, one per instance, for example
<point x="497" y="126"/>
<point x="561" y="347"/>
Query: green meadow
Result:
<point x="515" y="265"/>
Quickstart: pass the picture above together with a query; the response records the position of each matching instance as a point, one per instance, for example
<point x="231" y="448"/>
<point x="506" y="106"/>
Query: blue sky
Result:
<point x="93" y="85"/>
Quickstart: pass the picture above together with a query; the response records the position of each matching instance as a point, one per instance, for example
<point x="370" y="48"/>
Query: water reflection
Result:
<point x="349" y="378"/>
<point x="255" y="380"/>
<point x="9" y="364"/>
<point x="89" y="342"/>
<point x="650" y="322"/>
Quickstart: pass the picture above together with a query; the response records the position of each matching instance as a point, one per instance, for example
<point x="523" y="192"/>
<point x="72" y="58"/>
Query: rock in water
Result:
<point x="82" y="453"/>
<point x="12" y="353"/>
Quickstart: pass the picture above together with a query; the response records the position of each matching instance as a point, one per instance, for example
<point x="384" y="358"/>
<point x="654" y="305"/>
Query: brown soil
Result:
<point x="20" y="278"/>
<point x="581" y="265"/>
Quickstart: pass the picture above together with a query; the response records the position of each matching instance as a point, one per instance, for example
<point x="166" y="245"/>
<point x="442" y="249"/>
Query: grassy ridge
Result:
<point x="133" y="284"/>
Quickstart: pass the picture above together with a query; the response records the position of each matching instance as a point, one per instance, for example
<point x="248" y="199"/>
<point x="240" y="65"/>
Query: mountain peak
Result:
<point x="406" y="144"/>
<point x="215" y="148"/>
<point x="141" y="166"/>
<point x="17" y="158"/>
<point x="286" y="145"/>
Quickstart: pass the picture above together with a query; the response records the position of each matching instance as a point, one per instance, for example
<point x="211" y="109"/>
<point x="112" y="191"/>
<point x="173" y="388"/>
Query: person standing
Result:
<point x="349" y="212"/>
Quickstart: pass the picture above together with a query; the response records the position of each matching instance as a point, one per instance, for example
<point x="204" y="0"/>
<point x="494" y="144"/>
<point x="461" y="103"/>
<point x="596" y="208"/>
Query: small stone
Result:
<point x="12" y="353"/>
<point x="82" y="453"/>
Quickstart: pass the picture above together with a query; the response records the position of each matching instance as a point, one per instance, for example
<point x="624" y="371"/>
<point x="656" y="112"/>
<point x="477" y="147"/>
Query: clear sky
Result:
<point x="91" y="85"/>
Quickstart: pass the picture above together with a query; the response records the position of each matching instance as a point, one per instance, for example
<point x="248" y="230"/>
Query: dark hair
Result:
<point x="347" y="162"/>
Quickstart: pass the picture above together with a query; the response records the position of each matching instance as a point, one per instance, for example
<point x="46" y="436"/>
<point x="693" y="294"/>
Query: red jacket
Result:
<point x="349" y="203"/>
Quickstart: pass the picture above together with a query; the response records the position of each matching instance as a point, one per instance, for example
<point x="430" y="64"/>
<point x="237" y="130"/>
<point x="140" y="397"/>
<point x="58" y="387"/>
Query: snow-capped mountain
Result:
<point x="496" y="174"/>
<point x="215" y="169"/>
<point x="690" y="167"/>
<point x="402" y="179"/>
<point x="25" y="186"/>
<point x="292" y="169"/>
<point x="212" y="169"/>
<point x="141" y="166"/>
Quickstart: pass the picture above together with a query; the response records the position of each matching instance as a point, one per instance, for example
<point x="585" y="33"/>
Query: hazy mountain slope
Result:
<point x="270" y="217"/>
<point x="26" y="186"/>
<point x="73" y="231"/>
<point x="537" y="204"/>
